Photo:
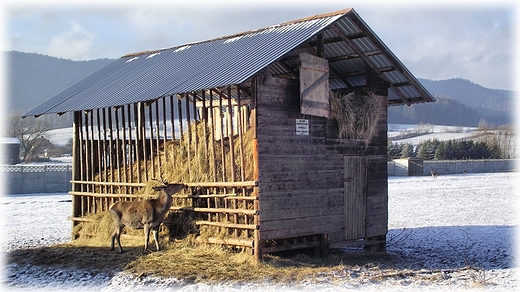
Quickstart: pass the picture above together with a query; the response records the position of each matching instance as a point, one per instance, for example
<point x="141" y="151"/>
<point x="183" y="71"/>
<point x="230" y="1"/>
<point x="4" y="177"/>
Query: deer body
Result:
<point x="146" y="214"/>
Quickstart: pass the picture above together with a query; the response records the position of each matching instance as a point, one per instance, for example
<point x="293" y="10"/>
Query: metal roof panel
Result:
<point x="232" y="60"/>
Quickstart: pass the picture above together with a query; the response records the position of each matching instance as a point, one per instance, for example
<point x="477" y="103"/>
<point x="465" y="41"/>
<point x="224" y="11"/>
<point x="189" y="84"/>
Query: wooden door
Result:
<point x="355" y="196"/>
<point x="314" y="85"/>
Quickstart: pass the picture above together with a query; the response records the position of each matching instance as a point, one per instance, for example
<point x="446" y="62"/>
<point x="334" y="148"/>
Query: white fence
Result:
<point x="55" y="178"/>
<point x="405" y="167"/>
<point x="27" y="179"/>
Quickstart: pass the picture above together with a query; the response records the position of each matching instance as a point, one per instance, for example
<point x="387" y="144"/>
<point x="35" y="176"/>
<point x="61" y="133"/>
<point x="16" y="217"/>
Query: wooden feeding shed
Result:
<point x="279" y="132"/>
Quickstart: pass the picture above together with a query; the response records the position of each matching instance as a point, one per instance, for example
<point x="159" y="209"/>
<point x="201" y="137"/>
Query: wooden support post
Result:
<point x="76" y="167"/>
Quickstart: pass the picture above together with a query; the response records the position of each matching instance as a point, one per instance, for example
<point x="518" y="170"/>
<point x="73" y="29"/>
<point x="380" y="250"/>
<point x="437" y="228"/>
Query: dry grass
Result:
<point x="356" y="113"/>
<point x="188" y="262"/>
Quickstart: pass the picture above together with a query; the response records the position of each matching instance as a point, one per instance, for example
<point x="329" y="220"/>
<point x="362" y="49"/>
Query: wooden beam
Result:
<point x="332" y="70"/>
<point x="375" y="40"/>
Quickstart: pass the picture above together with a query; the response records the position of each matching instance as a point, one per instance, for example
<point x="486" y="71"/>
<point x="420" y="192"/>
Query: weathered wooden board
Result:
<point x="295" y="223"/>
<point x="296" y="213"/>
<point x="314" y="85"/>
<point x="325" y="201"/>
<point x="355" y="196"/>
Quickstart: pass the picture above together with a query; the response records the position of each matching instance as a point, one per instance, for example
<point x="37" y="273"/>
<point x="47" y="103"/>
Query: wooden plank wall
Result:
<point x="301" y="178"/>
<point x="300" y="182"/>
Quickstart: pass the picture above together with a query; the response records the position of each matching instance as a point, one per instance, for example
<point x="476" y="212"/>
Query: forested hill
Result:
<point x="459" y="103"/>
<point x="33" y="78"/>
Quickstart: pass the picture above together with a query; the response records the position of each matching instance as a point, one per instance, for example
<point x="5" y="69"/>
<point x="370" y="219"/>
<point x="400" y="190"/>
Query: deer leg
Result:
<point x="146" y="229"/>
<point x="116" y="235"/>
<point x="155" y="233"/>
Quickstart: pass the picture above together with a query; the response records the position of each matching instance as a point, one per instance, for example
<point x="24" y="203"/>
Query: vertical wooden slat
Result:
<point x="124" y="149"/>
<point x="99" y="149"/>
<point x="188" y="133"/>
<point x="195" y="118"/>
<point x="87" y="151"/>
<point x="142" y="132"/>
<point x="165" y="131"/>
<point x="111" y="148"/>
<point x="212" y="119"/>
<point x="179" y="108"/>
<point x="91" y="203"/>
<point x="117" y="148"/>
<point x="195" y="133"/>
<point x="231" y="135"/>
<point x="131" y="154"/>
<point x="151" y="142"/>
<point x="76" y="168"/>
<point x="172" y="124"/>
<point x="240" y="137"/>
<point x="221" y="123"/>
<point x="205" y="130"/>
<point x="355" y="196"/>
<point x="158" y="138"/>
<point x="138" y="144"/>
<point x="258" y="244"/>
<point x="106" y="152"/>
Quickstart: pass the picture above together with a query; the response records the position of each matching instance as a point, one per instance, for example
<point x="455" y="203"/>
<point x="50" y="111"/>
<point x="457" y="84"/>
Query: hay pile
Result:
<point x="196" y="157"/>
<point x="356" y="114"/>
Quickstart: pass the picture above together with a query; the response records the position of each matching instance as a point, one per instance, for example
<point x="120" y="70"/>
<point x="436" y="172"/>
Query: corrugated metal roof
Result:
<point x="235" y="59"/>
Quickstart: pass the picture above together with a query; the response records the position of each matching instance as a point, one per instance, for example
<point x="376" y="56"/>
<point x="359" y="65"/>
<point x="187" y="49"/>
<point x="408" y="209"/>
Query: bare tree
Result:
<point x="31" y="132"/>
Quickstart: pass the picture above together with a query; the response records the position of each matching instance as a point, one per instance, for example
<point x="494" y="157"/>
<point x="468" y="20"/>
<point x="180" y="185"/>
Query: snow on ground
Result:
<point x="438" y="132"/>
<point x="60" y="136"/>
<point x="437" y="228"/>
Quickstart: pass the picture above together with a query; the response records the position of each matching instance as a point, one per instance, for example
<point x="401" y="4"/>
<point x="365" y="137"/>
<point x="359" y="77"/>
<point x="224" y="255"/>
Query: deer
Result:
<point x="434" y="173"/>
<point x="145" y="214"/>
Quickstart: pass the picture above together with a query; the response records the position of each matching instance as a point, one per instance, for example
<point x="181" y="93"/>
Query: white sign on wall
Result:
<point x="302" y="127"/>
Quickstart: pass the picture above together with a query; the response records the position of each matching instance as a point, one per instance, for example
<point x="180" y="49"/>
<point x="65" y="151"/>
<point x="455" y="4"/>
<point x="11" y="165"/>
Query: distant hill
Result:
<point x="459" y="102"/>
<point x="34" y="78"/>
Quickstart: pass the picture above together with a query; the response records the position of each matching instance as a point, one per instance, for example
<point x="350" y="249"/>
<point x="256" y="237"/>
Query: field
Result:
<point x="456" y="232"/>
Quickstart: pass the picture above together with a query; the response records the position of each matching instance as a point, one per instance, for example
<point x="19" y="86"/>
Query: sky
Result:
<point x="434" y="40"/>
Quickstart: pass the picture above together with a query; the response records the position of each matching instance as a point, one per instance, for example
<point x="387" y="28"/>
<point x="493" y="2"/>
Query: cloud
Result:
<point x="446" y="42"/>
<point x="75" y="43"/>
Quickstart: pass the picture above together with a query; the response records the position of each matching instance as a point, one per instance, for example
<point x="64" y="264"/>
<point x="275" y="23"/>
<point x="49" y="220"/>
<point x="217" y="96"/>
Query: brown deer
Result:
<point x="434" y="173"/>
<point x="146" y="214"/>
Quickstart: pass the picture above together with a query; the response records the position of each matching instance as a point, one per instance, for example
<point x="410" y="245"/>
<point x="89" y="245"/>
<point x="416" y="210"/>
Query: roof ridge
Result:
<point x="308" y="18"/>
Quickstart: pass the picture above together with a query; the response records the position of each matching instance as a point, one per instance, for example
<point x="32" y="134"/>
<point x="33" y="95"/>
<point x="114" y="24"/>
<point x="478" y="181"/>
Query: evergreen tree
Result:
<point x="407" y="150"/>
<point x="440" y="152"/>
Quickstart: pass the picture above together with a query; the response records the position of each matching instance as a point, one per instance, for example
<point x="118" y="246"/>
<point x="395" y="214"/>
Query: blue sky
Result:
<point x="435" y="40"/>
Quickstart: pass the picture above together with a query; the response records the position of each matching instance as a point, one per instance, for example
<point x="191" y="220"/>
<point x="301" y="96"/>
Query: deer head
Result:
<point x="168" y="187"/>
